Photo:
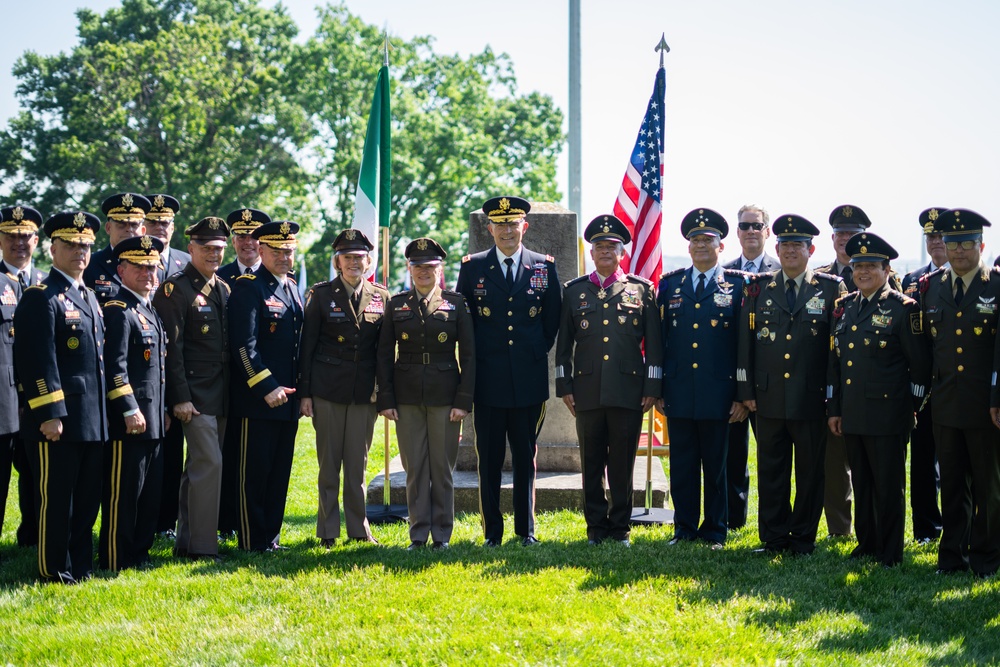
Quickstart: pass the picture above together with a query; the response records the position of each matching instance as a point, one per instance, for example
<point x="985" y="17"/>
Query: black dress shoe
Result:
<point x="438" y="546"/>
<point x="674" y="541"/>
<point x="530" y="541"/>
<point x="491" y="544"/>
<point x="415" y="545"/>
<point x="366" y="540"/>
<point x="328" y="542"/>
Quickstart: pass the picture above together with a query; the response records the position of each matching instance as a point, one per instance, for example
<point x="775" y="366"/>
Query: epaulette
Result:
<point x="36" y="286"/>
<point x="402" y="293"/>
<point x="576" y="280"/>
<point x="380" y="285"/>
<point x="839" y="300"/>
<point x="640" y="279"/>
<point x="116" y="303"/>
<point x="320" y="284"/>
<point x="466" y="258"/>
<point x="762" y="277"/>
<point x="550" y="258"/>
<point x="737" y="272"/>
<point x="246" y="276"/>
<point x="672" y="273"/>
<point x="452" y="293"/>
<point x="935" y="272"/>
<point x="827" y="276"/>
<point x="902" y="298"/>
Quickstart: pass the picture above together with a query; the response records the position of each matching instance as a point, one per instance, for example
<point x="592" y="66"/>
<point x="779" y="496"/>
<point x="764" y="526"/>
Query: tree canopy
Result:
<point x="216" y="103"/>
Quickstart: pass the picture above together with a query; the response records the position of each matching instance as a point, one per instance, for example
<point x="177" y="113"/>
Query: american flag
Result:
<point x="638" y="204"/>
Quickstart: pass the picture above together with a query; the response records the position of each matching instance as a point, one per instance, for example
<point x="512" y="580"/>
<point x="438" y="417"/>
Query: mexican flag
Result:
<point x="371" y="204"/>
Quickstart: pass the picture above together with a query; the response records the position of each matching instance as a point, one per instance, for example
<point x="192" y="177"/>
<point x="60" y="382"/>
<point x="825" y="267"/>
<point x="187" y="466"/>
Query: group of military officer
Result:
<point x="831" y="366"/>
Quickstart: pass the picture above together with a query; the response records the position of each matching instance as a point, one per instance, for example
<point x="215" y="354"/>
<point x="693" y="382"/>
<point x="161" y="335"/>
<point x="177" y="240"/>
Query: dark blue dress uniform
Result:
<point x="515" y="329"/>
<point x="241" y="222"/>
<point x="101" y="275"/>
<point x="16" y="221"/>
<point x="265" y="323"/>
<point x="134" y="363"/>
<point x="925" y="511"/>
<point x="879" y="373"/>
<point x="699" y="382"/>
<point x="783" y="366"/>
<point x="966" y="349"/>
<point x="60" y="369"/>
<point x="10" y="293"/>
<point x="605" y="327"/>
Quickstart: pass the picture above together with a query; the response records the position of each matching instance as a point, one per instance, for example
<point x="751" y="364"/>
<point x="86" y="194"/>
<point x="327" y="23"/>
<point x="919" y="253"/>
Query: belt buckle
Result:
<point x="427" y="358"/>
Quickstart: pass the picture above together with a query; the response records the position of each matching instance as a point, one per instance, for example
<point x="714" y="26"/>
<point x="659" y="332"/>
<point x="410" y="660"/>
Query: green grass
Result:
<point x="560" y="603"/>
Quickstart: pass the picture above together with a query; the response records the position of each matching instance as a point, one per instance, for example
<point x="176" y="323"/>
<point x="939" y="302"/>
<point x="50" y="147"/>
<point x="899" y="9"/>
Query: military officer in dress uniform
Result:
<point x="700" y="306"/>
<point x="515" y="298"/>
<point x="879" y="374"/>
<point x="924" y="475"/>
<point x="242" y="223"/>
<point x="126" y="217"/>
<point x="343" y="320"/>
<point x="192" y="305"/>
<point x="608" y="318"/>
<point x="426" y="376"/>
<point x="160" y="224"/>
<point x="782" y="377"/>
<point x="134" y="363"/>
<point x="10" y="293"/>
<point x="753" y="229"/>
<point x="58" y="363"/>
<point x="960" y="307"/>
<point x="18" y="240"/>
<point x="265" y="322"/>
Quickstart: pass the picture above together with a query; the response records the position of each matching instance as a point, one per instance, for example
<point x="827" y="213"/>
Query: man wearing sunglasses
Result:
<point x="961" y="312"/>
<point x="752" y="232"/>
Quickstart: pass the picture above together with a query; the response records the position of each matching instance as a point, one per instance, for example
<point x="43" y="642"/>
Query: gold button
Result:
<point x="788" y="356"/>
<point x="605" y="339"/>
<point x="605" y="305"/>
<point x="697" y="305"/>
<point x="694" y="345"/>
<point x="605" y="357"/>
<point x="848" y="380"/>
<point x="958" y="332"/>
<point x="695" y="325"/>
<point x="850" y="363"/>
<point x="605" y="323"/>
<point x="854" y="327"/>
<point x="788" y="375"/>
<point x="510" y="328"/>
<point x="510" y="313"/>
<point x="694" y="365"/>
<point x="850" y="345"/>
<point x="510" y="342"/>
<point x="788" y="336"/>
<point x="510" y="298"/>
<point x="959" y="350"/>
<point x="961" y="368"/>
<point x="958" y="314"/>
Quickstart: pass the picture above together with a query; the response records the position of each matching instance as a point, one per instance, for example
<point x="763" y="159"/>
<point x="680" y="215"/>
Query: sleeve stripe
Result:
<point x="124" y="390"/>
<point x="655" y="373"/>
<point x="264" y="374"/>
<point x="46" y="399"/>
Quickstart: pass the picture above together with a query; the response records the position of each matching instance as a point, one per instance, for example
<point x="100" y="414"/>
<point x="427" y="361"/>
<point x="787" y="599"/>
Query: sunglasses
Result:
<point x="756" y="226"/>
<point x="966" y="245"/>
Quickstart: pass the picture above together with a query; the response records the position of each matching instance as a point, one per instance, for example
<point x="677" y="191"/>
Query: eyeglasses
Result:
<point x="756" y="226"/>
<point x="702" y="240"/>
<point x="966" y="245"/>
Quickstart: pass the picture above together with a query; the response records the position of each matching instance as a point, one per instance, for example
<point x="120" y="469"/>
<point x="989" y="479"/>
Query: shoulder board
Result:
<point x="452" y="293"/>
<point x="672" y="273"/>
<point x="761" y="277"/>
<point x="466" y="258"/>
<point x="246" y="276"/>
<point x="402" y="293"/>
<point x="828" y="276"/>
<point x="225" y="285"/>
<point x="736" y="272"/>
<point x="36" y="286"/>
<point x="850" y="295"/>
<point x="577" y="280"/>
<point x="935" y="272"/>
<point x="550" y="258"/>
<point x="380" y="286"/>
<point x="292" y="278"/>
<point x="639" y="279"/>
<point x="902" y="298"/>
<point x="116" y="303"/>
<point x="824" y="268"/>
<point x="321" y="284"/>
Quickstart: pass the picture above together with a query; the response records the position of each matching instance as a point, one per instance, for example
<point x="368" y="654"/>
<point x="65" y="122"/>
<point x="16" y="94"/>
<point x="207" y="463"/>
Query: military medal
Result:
<point x="584" y="324"/>
<point x="146" y="354"/>
<point x="601" y="293"/>
<point x="621" y="319"/>
<point x="204" y="328"/>
<point x="73" y="343"/>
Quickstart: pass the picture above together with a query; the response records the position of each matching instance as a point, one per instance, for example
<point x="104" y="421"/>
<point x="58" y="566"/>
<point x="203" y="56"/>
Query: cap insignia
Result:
<point x="504" y="205"/>
<point x="285" y="228"/>
<point x="18" y="213"/>
<point x="213" y="223"/>
<point x="864" y="250"/>
<point x="146" y="243"/>
<point x="933" y="214"/>
<point x="350" y="234"/>
<point x="159" y="201"/>
<point x="606" y="228"/>
<point x="127" y="200"/>
<point x="847" y="211"/>
<point x="79" y="220"/>
<point x="247" y="215"/>
<point x="422" y="244"/>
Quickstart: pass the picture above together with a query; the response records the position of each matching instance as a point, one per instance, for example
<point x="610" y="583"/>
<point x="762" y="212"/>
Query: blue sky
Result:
<point x="798" y="106"/>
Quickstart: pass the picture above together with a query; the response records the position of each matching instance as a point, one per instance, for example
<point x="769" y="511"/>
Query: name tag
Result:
<point x="203" y="309"/>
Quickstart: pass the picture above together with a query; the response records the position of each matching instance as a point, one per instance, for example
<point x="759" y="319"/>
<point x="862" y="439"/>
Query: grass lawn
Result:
<point x="560" y="603"/>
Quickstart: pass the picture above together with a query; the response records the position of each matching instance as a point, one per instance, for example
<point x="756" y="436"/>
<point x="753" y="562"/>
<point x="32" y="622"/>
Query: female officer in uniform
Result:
<point x="428" y="388"/>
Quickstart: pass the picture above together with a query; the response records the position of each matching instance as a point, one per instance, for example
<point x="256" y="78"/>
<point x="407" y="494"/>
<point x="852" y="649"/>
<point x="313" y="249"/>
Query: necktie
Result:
<point x="847" y="274"/>
<point x="23" y="279"/>
<point x="700" y="288"/>
<point x="423" y="307"/>
<point x="959" y="291"/>
<point x="749" y="267"/>
<point x="247" y="271"/>
<point x="790" y="293"/>
<point x="356" y="301"/>
<point x="510" y="272"/>
<point x="864" y="304"/>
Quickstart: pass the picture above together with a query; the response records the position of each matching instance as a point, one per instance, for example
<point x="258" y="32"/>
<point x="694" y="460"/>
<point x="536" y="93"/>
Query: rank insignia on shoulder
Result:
<point x="466" y="258"/>
<point x="247" y="276"/>
<point x="550" y="258"/>
<point x="116" y="303"/>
